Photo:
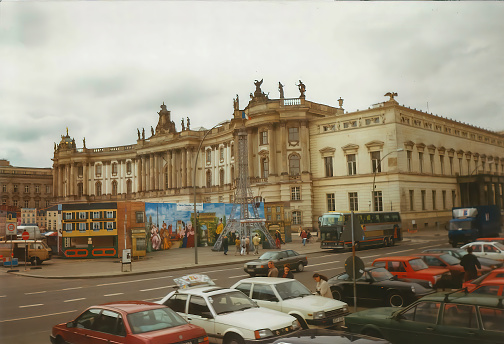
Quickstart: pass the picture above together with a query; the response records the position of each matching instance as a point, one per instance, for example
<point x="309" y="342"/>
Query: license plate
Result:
<point x="337" y="320"/>
<point x="250" y="270"/>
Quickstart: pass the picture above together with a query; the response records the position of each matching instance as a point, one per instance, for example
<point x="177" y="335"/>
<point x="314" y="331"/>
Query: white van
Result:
<point x="33" y="230"/>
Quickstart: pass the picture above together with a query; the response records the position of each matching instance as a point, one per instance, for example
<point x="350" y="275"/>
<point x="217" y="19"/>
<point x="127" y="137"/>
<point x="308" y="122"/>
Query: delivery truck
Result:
<point x="470" y="223"/>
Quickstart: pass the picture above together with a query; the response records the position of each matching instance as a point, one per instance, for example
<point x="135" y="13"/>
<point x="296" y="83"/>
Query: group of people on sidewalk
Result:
<point x="242" y="245"/>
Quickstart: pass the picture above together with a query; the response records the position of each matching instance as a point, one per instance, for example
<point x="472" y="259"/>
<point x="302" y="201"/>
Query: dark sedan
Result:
<point x="323" y="336"/>
<point x="259" y="266"/>
<point x="377" y="285"/>
<point x="459" y="253"/>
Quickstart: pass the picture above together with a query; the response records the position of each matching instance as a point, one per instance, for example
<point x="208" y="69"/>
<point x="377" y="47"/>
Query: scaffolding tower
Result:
<point x="244" y="218"/>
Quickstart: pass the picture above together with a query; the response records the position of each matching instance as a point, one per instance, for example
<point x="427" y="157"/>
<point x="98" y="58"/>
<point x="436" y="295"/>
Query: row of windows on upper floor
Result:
<point x="377" y="200"/>
<point x="27" y="203"/>
<point x="27" y="188"/>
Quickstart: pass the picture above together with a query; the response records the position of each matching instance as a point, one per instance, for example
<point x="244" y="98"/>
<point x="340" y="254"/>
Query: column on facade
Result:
<point x="305" y="156"/>
<point x="250" y="147"/>
<point x="85" y="177"/>
<point x="139" y="174"/>
<point x="151" y="173"/>
<point x="189" y="158"/>
<point x="72" y="179"/>
<point x="169" y="169"/>
<point x="184" y="174"/>
<point x="144" y="173"/>
<point x="162" y="164"/>
<point x="174" y="169"/>
<point x="55" y="182"/>
<point x="156" y="171"/>
<point x="92" y="184"/>
<point x="272" y="150"/>
<point x="498" y="195"/>
<point x="283" y="161"/>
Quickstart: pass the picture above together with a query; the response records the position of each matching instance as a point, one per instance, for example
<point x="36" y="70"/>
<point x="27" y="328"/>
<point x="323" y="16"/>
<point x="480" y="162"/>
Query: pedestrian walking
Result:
<point x="278" y="239"/>
<point x="225" y="244"/>
<point x="287" y="273"/>
<point x="243" y="246"/>
<point x="322" y="288"/>
<point x="273" y="271"/>
<point x="470" y="263"/>
<point x="256" y="240"/>
<point x="247" y="244"/>
<point x="303" y="236"/>
<point x="238" y="246"/>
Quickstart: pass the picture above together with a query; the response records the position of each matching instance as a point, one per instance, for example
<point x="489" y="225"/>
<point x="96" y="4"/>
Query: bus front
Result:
<point x="331" y="226"/>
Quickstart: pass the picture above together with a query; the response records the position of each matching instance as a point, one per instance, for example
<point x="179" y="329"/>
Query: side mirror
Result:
<point x="70" y="324"/>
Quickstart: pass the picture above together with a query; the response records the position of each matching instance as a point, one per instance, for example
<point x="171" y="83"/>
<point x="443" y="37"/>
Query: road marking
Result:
<point x="387" y="254"/>
<point x="34" y="305"/>
<point x="224" y="269"/>
<point x="140" y="280"/>
<point x="154" y="299"/>
<point x="70" y="288"/>
<point x="238" y="276"/>
<point x="72" y="300"/>
<point x="113" y="294"/>
<point x="376" y="255"/>
<point x="329" y="269"/>
<point x="35" y="292"/>
<point x="164" y="287"/>
<point x="336" y="261"/>
<point x="37" y="316"/>
<point x="3" y="295"/>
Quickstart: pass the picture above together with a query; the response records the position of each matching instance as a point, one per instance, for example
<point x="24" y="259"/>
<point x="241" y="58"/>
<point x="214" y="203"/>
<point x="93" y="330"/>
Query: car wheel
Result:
<point x="454" y="244"/>
<point x="395" y="299"/>
<point x="35" y="261"/>
<point x="392" y="241"/>
<point x="300" y="267"/>
<point x="386" y="242"/>
<point x="302" y="322"/>
<point x="372" y="333"/>
<point x="337" y="294"/>
<point x="60" y="340"/>
<point x="233" y="339"/>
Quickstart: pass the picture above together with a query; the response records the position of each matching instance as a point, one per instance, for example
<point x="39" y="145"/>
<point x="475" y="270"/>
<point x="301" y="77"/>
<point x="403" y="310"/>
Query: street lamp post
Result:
<point x="376" y="170"/>
<point x="194" y="190"/>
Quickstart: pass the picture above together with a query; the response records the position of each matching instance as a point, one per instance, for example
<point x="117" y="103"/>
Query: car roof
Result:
<point x="266" y="280"/>
<point x="203" y="290"/>
<point x="461" y="297"/>
<point x="403" y="258"/>
<point x="129" y="306"/>
<point x="492" y="281"/>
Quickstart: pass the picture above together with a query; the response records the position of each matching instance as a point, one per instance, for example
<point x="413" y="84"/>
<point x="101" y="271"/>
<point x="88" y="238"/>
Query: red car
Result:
<point x="412" y="267"/>
<point x="501" y="240"/>
<point x="131" y="322"/>
<point x="497" y="273"/>
<point x="448" y="261"/>
<point x="494" y="286"/>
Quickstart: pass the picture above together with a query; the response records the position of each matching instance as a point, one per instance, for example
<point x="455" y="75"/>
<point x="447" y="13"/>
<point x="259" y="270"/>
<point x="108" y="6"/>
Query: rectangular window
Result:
<point x="114" y="169"/>
<point x="27" y="189"/>
<point x="353" y="201"/>
<point x="110" y="225"/>
<point x="26" y="203"/>
<point x="375" y="162"/>
<point x="377" y="201"/>
<point x="15" y="203"/>
<point x="4" y="188"/>
<point x="110" y="215"/>
<point x="82" y="215"/>
<point x="48" y="189"/>
<point x="96" y="215"/>
<point x="451" y="165"/>
<point x="128" y="167"/>
<point x="67" y="216"/>
<point x="431" y="156"/>
<point x="423" y="199"/>
<point x="221" y="154"/>
<point x="82" y="227"/>
<point x="265" y="167"/>
<point x="269" y="217"/>
<point x="263" y="138"/>
<point x="328" y="163"/>
<point x="15" y="188"/>
<point x="37" y="189"/>
<point x="460" y="166"/>
<point x="331" y="202"/>
<point x="139" y="217"/>
<point x="98" y="170"/>
<point x="37" y="203"/>
<point x="295" y="193"/>
<point x="293" y="134"/>
<point x="408" y="158"/>
<point x="96" y="226"/>
<point x="296" y="217"/>
<point x="80" y="171"/>
<point x="411" y="200"/>
<point x="420" y="161"/>
<point x="68" y="227"/>
<point x="352" y="164"/>
<point x="278" y="217"/>
<point x="441" y="163"/>
<point x="444" y="199"/>
<point x="208" y="156"/>
<point x="434" y="199"/>
<point x="277" y="209"/>
<point x="454" y="195"/>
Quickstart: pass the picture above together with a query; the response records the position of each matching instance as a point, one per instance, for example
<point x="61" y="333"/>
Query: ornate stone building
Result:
<point x="310" y="158"/>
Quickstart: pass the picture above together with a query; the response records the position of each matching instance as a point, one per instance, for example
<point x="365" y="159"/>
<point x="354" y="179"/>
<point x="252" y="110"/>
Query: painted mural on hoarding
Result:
<point x="171" y="225"/>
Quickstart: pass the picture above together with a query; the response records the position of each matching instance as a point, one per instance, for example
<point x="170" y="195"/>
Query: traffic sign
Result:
<point x="25" y="235"/>
<point x="359" y="267"/>
<point x="11" y="227"/>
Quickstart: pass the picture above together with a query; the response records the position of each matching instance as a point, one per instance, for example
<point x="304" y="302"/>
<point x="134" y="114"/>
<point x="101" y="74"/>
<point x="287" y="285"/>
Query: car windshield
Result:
<point x="269" y="255"/>
<point x="418" y="264"/>
<point x="154" y="319"/>
<point x="499" y="246"/>
<point x="456" y="225"/>
<point x="380" y="274"/>
<point x="449" y="259"/>
<point x="480" y="279"/>
<point x="229" y="302"/>
<point x="291" y="290"/>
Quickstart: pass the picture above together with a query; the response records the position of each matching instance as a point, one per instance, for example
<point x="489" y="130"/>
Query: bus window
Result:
<point x="375" y="218"/>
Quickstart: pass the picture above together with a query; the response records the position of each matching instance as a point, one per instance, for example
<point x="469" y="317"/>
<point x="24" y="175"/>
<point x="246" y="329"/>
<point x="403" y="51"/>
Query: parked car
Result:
<point x="259" y="266"/>
<point x="376" y="285"/>
<point x="292" y="297"/>
<point x="459" y="253"/>
<point x="493" y="286"/>
<point x="492" y="250"/>
<point x="227" y="315"/>
<point x="414" y="267"/>
<point x="131" y="322"/>
<point x="446" y="260"/>
<point x="325" y="336"/>
<point x="497" y="239"/>
<point x="444" y="318"/>
<point x="497" y="273"/>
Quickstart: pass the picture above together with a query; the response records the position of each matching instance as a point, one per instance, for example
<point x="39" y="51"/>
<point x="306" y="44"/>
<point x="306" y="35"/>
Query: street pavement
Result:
<point x="176" y="259"/>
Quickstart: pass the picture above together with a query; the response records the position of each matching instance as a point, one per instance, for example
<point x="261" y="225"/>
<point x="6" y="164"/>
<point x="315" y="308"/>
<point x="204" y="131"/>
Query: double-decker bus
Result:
<point x="370" y="229"/>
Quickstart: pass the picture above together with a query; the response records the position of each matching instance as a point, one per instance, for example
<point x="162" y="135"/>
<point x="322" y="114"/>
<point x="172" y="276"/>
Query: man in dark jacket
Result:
<point x="470" y="263"/>
<point x="225" y="244"/>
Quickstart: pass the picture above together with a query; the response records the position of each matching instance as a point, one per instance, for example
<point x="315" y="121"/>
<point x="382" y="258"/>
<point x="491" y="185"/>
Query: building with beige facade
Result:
<point x="25" y="187"/>
<point x="309" y="158"/>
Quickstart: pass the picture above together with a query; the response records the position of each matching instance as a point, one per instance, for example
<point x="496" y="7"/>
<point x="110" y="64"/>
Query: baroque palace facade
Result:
<point x="304" y="159"/>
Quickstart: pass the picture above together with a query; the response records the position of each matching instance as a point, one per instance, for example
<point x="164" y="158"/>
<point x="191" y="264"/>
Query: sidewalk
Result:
<point x="171" y="260"/>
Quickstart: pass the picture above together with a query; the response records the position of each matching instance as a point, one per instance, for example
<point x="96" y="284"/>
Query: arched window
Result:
<point x="114" y="188"/>
<point x="221" y="177"/>
<point x="294" y="165"/>
<point x="208" y="179"/>
<point x="129" y="186"/>
<point x="98" y="189"/>
<point x="296" y="217"/>
<point x="265" y="167"/>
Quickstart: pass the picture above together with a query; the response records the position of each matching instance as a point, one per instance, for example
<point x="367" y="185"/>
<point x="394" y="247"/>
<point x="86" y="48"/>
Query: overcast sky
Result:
<point x="103" y="68"/>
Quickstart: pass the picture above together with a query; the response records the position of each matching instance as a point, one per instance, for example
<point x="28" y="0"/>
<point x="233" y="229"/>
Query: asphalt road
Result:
<point x="29" y="307"/>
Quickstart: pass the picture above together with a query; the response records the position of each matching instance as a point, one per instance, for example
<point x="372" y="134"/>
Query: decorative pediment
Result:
<point x="264" y="153"/>
<point x="350" y="148"/>
<point x="409" y="145"/>
<point x="420" y="147"/>
<point x="327" y="151"/>
<point x="374" y="145"/>
<point x="441" y="150"/>
<point x="431" y="148"/>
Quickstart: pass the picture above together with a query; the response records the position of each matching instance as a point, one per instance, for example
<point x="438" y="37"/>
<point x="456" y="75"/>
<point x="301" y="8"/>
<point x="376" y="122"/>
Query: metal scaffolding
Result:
<point x="244" y="218"/>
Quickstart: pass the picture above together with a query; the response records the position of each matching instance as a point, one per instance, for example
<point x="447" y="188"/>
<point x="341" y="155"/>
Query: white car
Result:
<point x="292" y="297"/>
<point x="228" y="316"/>
<point x="492" y="250"/>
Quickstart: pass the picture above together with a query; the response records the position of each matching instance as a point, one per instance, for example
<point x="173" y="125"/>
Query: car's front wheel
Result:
<point x="337" y="294"/>
<point x="300" y="267"/>
<point x="233" y="339"/>
<point x="60" y="340"/>
<point x="372" y="333"/>
<point x="394" y="299"/>
<point x="35" y="261"/>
